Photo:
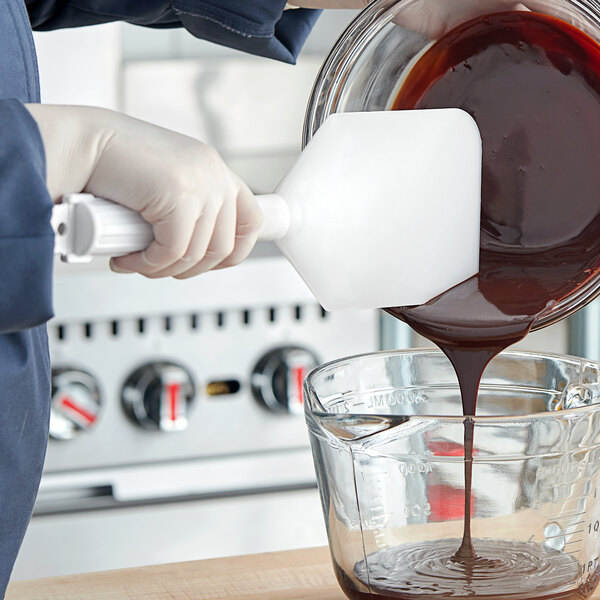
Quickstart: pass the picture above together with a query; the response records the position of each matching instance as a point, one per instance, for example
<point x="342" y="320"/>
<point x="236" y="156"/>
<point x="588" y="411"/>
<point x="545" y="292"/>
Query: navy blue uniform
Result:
<point x="256" y="26"/>
<point x="26" y="240"/>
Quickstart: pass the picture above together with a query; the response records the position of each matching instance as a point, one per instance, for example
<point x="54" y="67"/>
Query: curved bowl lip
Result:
<point x="591" y="8"/>
<point x="320" y="410"/>
<point x="355" y="25"/>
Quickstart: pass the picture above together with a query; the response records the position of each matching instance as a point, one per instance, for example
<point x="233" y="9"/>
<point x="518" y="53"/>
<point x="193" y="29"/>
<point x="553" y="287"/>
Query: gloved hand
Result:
<point x="330" y="3"/>
<point x="433" y="18"/>
<point x="203" y="216"/>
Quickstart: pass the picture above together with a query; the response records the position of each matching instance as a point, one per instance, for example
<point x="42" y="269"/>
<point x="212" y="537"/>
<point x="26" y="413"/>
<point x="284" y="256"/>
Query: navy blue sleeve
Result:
<point x="26" y="237"/>
<point x="259" y="27"/>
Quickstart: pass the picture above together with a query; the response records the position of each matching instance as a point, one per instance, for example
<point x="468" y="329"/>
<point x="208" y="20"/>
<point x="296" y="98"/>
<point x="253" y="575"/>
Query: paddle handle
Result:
<point x="86" y="226"/>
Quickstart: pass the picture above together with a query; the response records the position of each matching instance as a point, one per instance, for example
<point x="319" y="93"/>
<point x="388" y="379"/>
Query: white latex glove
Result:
<point x="330" y="3"/>
<point x="432" y="18"/>
<point x="203" y="216"/>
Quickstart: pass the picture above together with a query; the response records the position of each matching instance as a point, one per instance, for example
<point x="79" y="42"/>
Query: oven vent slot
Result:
<point x="117" y="328"/>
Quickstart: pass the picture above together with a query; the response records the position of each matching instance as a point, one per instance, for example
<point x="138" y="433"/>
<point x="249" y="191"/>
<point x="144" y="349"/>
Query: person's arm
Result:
<point x="26" y="238"/>
<point x="261" y="27"/>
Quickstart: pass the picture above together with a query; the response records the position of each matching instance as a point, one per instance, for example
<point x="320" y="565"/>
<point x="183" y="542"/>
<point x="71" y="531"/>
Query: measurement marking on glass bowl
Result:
<point x="589" y="565"/>
<point x="562" y="568"/>
<point x="394" y="398"/>
<point x="412" y="468"/>
<point x="569" y="516"/>
<point x="559" y="559"/>
<point x="571" y="524"/>
<point x="559" y="535"/>
<point x="561" y="576"/>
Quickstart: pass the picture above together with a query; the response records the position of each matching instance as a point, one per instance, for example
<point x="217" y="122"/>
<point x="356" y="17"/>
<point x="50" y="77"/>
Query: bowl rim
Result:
<point x="311" y="397"/>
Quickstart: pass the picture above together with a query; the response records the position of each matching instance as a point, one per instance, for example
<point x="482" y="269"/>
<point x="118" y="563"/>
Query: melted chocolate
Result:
<point x="532" y="83"/>
<point x="504" y="571"/>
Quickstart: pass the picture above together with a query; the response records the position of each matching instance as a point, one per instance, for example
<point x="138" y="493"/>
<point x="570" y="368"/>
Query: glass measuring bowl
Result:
<point x="387" y="436"/>
<point x="365" y="69"/>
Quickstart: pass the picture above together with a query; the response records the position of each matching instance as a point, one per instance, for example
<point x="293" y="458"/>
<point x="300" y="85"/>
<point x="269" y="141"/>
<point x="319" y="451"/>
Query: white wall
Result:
<point x="80" y="66"/>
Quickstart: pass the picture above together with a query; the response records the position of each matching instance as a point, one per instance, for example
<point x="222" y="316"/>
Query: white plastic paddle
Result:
<point x="380" y="209"/>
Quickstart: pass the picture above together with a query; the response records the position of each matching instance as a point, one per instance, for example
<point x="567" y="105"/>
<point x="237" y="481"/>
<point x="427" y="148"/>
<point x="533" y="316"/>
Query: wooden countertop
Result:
<point x="295" y="575"/>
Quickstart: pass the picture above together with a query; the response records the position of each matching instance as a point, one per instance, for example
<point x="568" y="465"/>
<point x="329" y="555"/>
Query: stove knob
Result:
<point x="157" y="396"/>
<point x="278" y="376"/>
<point x="75" y="403"/>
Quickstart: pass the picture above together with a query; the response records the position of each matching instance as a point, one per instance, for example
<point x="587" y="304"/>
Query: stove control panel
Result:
<point x="158" y="395"/>
<point x="278" y="376"/>
<point x="218" y="359"/>
<point x="75" y="405"/>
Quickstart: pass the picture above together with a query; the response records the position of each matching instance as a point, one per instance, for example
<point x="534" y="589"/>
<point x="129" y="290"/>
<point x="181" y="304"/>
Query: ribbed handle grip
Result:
<point x="87" y="226"/>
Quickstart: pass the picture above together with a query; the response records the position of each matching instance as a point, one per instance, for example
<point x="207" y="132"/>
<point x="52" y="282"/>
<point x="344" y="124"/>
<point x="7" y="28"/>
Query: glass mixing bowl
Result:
<point x="387" y="436"/>
<point x="364" y="70"/>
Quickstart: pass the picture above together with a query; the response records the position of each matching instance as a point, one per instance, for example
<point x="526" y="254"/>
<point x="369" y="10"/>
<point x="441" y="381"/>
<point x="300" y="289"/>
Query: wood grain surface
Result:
<point x="295" y="575"/>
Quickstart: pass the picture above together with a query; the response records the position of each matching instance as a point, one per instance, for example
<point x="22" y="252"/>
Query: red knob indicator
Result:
<point x="75" y="403"/>
<point x="278" y="377"/>
<point x="158" y="395"/>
